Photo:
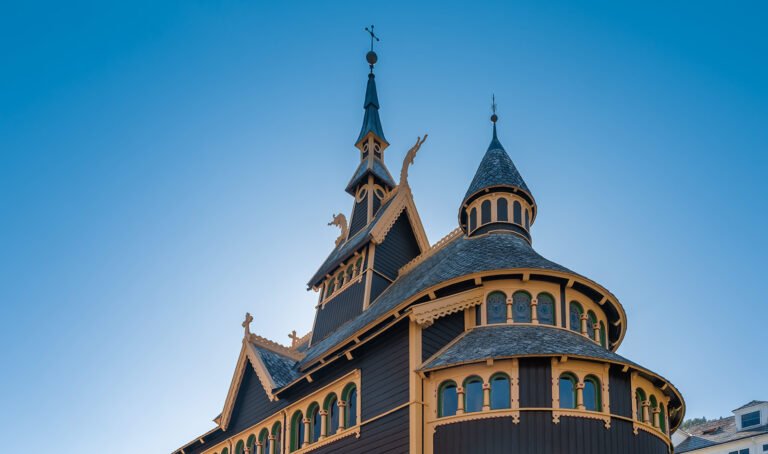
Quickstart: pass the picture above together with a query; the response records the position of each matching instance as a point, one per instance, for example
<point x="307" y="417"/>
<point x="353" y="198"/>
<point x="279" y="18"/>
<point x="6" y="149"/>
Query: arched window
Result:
<point x="240" y="447"/>
<point x="602" y="335"/>
<point x="332" y="407"/>
<point x="350" y="272"/>
<point x="340" y="280"/>
<point x="567" y="391"/>
<point x="473" y="219"/>
<point x="500" y="392"/>
<point x="485" y="212"/>
<point x="591" y="322"/>
<point x="521" y="307"/>
<point x="502" y="209"/>
<point x="473" y="394"/>
<point x="478" y="315"/>
<point x="266" y="447"/>
<point x="225" y="451"/>
<point x="527" y="220"/>
<point x="576" y="312"/>
<point x="496" y="308"/>
<point x="350" y="397"/>
<point x="545" y="309"/>
<point x="251" y="444"/>
<point x="277" y="434"/>
<point x="315" y="422"/>
<point x="359" y="265"/>
<point x="517" y="213"/>
<point x="662" y="418"/>
<point x="331" y="287"/>
<point x="448" y="399"/>
<point x="297" y="431"/>
<point x="592" y="397"/>
<point x="639" y="399"/>
<point x="654" y="404"/>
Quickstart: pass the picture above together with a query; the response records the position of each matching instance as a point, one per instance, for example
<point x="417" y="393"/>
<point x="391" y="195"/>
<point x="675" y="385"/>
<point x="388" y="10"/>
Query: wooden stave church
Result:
<point x="476" y="344"/>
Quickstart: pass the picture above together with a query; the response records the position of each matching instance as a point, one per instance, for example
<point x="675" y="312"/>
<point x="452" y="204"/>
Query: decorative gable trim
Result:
<point x="249" y="355"/>
<point x="456" y="233"/>
<point x="426" y="313"/>
<point x="403" y="202"/>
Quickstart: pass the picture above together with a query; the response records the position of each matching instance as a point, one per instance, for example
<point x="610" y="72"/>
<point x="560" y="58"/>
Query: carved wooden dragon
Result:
<point x="340" y="221"/>
<point x="408" y="160"/>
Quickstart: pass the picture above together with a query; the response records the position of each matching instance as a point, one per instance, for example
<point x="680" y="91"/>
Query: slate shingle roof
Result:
<point x="375" y="167"/>
<point x="371" y="121"/>
<point x="496" y="169"/>
<point x="504" y="341"/>
<point x="717" y="432"/>
<point x="283" y="370"/>
<point x="460" y="257"/>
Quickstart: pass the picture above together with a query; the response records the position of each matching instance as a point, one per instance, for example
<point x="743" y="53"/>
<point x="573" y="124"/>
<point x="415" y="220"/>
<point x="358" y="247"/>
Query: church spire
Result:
<point x="497" y="181"/>
<point x="371" y="121"/>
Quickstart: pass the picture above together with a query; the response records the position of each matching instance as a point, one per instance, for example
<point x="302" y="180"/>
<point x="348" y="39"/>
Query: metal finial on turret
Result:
<point x="494" y="117"/>
<point x="371" y="56"/>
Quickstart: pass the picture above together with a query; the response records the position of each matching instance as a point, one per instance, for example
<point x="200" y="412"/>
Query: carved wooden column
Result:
<point x="646" y="405"/>
<point x="509" y="309"/>
<point x="342" y="415"/>
<point x="534" y="314"/>
<point x="460" y="399"/>
<point x="580" y="396"/>
<point x="655" y="420"/>
<point x="584" y="324"/>
<point x="306" y="431"/>
<point x="323" y="424"/>
<point x="259" y="448"/>
<point x="486" y="396"/>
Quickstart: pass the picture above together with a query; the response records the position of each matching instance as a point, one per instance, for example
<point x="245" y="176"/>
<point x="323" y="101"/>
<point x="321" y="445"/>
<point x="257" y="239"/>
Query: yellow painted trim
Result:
<point x="415" y="412"/>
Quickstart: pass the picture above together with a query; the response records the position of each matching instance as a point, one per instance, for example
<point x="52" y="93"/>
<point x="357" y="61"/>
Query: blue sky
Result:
<point x="148" y="151"/>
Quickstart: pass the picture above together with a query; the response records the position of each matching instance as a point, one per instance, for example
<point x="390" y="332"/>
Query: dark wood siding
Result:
<point x="378" y="285"/>
<point x="535" y="382"/>
<point x="359" y="216"/>
<point x="376" y="204"/>
<point x="385" y="435"/>
<point x="342" y="308"/>
<point x="398" y="248"/>
<point x="620" y="390"/>
<point x="251" y="404"/>
<point x="537" y="434"/>
<point x="440" y="333"/>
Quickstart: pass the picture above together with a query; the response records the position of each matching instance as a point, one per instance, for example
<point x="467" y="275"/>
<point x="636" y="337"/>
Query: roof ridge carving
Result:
<point x="274" y="347"/>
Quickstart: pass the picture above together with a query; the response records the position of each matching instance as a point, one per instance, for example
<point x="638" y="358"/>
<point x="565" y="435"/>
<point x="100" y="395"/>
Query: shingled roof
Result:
<point x="282" y="369"/>
<point x="462" y="256"/>
<point x="496" y="170"/>
<point x="374" y="167"/>
<point x="712" y="433"/>
<point x="506" y="341"/>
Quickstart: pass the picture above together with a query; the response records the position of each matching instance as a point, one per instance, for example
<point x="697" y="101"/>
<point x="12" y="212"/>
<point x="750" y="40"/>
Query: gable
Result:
<point x="252" y="404"/>
<point x="398" y="248"/>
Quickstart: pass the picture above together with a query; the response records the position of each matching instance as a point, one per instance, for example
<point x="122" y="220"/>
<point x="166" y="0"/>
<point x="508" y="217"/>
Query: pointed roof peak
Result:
<point x="495" y="144"/>
<point x="371" y="120"/>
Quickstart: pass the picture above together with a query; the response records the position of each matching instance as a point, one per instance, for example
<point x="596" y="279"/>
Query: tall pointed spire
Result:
<point x="497" y="174"/>
<point x="371" y="120"/>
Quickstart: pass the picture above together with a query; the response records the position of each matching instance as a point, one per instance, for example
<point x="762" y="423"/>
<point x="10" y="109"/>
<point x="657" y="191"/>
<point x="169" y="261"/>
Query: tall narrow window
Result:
<point x="225" y="451"/>
<point x="332" y="407"/>
<point x="500" y="393"/>
<point x="297" y="431"/>
<point x="567" y="391"/>
<point x="517" y="210"/>
<point x="251" y="444"/>
<point x="485" y="212"/>
<point x="521" y="307"/>
<point x="502" y="209"/>
<point x="473" y="219"/>
<point x="575" y="318"/>
<point x="653" y="404"/>
<point x="359" y="266"/>
<point x="602" y="335"/>
<point x="277" y="434"/>
<point x="473" y="394"/>
<point x="527" y="220"/>
<point x="639" y="399"/>
<point x="265" y="444"/>
<point x="663" y="419"/>
<point x="315" y="422"/>
<point x="545" y="309"/>
<point x="496" y="308"/>
<point x="592" y="397"/>
<point x="448" y="399"/>
<point x="591" y="322"/>
<point x="240" y="447"/>
<point x="350" y="397"/>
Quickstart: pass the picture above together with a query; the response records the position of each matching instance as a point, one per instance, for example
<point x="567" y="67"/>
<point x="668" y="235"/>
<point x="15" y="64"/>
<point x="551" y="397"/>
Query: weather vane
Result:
<point x="373" y="36"/>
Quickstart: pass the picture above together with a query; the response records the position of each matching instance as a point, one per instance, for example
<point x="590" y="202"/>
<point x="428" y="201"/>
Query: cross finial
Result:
<point x="247" y="323"/>
<point x="294" y="338"/>
<point x="373" y="35"/>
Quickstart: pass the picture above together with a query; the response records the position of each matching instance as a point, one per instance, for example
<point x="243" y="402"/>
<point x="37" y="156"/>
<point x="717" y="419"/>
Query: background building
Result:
<point x="746" y="432"/>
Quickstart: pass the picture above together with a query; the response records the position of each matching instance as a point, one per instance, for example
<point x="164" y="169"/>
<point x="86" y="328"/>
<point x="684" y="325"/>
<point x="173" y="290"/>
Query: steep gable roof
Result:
<point x="712" y="433"/>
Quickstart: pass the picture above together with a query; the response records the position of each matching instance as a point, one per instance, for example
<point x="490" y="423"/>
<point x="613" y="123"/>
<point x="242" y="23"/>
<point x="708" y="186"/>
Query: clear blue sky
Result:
<point x="148" y="149"/>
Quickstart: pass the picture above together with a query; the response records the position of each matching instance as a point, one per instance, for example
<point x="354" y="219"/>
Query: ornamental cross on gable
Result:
<point x="247" y="323"/>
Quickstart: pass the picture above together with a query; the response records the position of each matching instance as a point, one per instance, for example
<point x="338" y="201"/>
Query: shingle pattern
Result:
<point x="504" y="341"/>
<point x="496" y="169"/>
